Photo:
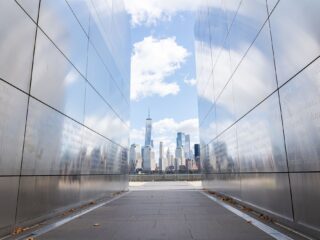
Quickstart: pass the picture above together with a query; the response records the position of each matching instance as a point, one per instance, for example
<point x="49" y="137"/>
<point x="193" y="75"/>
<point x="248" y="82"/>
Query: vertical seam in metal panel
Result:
<point x="82" y="158"/>
<point x="280" y="107"/>
<point x="27" y="113"/>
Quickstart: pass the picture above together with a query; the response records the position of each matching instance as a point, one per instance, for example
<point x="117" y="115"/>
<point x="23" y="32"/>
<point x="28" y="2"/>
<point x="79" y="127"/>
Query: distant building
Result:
<point x="186" y="146"/>
<point x="148" y="141"/>
<point x="180" y="139"/>
<point x="148" y="155"/>
<point x="180" y="158"/>
<point x="132" y="158"/>
<point x="197" y="155"/>
<point x="135" y="157"/>
<point x="161" y="157"/>
<point x="180" y="154"/>
<point x="169" y="158"/>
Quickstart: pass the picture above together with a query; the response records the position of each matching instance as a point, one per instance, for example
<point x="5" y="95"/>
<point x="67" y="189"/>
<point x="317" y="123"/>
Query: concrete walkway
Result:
<point x="150" y="212"/>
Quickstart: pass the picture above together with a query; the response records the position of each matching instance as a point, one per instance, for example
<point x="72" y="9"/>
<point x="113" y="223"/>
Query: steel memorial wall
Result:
<point x="258" y="74"/>
<point x="64" y="105"/>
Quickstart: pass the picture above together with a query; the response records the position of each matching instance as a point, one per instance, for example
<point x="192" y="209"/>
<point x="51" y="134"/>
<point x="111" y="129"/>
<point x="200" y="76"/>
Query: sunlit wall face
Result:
<point x="258" y="77"/>
<point x="64" y="105"/>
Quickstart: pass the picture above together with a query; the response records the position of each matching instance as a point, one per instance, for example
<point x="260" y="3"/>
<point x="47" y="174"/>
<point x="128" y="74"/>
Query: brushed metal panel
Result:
<point x="82" y="11"/>
<point x="249" y="20"/>
<point x="100" y="41"/>
<point x="40" y="196"/>
<point x="272" y="4"/>
<point x="8" y="200"/>
<point x="255" y="78"/>
<point x="226" y="183"/>
<point x="204" y="106"/>
<point x="268" y="191"/>
<point x="306" y="198"/>
<point x="17" y="35"/>
<point x="13" y="108"/>
<point x="55" y="81"/>
<point x="225" y="108"/>
<point x="209" y="159"/>
<point x="95" y="157"/>
<point x="208" y="128"/>
<point x="101" y="156"/>
<point x="300" y="100"/>
<point x="101" y="118"/>
<point x="31" y="7"/>
<point x="101" y="79"/>
<point x="108" y="18"/>
<point x="204" y="159"/>
<point x="296" y="35"/>
<point x="98" y="186"/>
<point x="260" y="139"/>
<point x="222" y="70"/>
<point x="231" y="8"/>
<point x="226" y="152"/>
<point x="59" y="23"/>
<point x="52" y="143"/>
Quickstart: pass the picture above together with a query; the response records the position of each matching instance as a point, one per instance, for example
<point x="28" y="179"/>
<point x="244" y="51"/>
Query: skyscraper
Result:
<point x="148" y="155"/>
<point x="132" y="158"/>
<point x="180" y="139"/>
<point x="135" y="157"/>
<point x="161" y="156"/>
<point x="148" y="141"/>
<point x="186" y="146"/>
<point x="169" y="160"/>
<point x="197" y="155"/>
<point x="180" y="158"/>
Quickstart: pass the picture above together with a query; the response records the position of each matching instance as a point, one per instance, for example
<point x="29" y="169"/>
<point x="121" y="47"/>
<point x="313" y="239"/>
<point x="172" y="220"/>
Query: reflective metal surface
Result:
<point x="260" y="139"/>
<point x="64" y="106"/>
<point x="12" y="124"/>
<point x="9" y="190"/>
<point x="300" y="100"/>
<point x="17" y="35"/>
<point x="295" y="29"/>
<point x="258" y="95"/>
<point x="229" y="184"/>
<point x="306" y="198"/>
<point x="31" y="7"/>
<point x="55" y="81"/>
<point x="269" y="191"/>
<point x="52" y="143"/>
<point x="58" y="21"/>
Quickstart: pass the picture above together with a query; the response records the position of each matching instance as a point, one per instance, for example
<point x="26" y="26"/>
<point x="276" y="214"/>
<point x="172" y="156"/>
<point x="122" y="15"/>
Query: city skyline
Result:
<point x="155" y="144"/>
<point x="167" y="86"/>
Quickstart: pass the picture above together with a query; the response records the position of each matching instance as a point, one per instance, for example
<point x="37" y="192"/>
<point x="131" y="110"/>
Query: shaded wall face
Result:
<point x="64" y="105"/>
<point x="259" y="93"/>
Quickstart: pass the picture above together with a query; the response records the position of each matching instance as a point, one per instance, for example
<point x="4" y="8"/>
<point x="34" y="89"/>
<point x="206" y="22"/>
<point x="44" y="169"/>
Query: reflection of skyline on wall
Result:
<point x="258" y="96"/>
<point x="64" y="105"/>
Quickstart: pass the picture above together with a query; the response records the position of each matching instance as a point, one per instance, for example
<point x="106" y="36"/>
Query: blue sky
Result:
<point x="163" y="70"/>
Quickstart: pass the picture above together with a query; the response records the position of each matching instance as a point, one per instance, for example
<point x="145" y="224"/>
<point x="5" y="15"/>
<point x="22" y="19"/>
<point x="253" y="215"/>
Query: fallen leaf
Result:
<point x="17" y="230"/>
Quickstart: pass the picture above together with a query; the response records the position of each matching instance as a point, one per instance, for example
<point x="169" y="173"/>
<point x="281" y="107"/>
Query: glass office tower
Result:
<point x="64" y="105"/>
<point x="258" y="73"/>
<point x="148" y="141"/>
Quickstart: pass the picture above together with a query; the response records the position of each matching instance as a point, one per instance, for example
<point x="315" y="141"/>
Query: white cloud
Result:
<point x="148" y="12"/>
<point x="190" y="82"/>
<point x="154" y="60"/>
<point x="165" y="130"/>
